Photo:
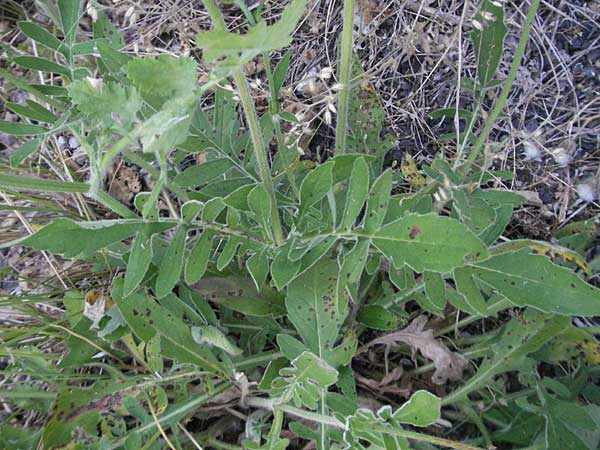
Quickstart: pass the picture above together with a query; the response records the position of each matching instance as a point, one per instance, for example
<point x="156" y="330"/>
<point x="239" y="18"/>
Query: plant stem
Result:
<point x="260" y="151"/>
<point x="344" y="76"/>
<point x="497" y="109"/>
<point x="266" y="403"/>
<point x="374" y="428"/>
<point x="273" y="106"/>
<point x="275" y="427"/>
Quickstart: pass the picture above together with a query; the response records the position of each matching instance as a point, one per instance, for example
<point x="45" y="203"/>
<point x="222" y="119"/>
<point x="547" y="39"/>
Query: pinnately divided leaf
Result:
<point x="428" y="242"/>
<point x="304" y="381"/>
<point x="165" y="76"/>
<point x="261" y="38"/>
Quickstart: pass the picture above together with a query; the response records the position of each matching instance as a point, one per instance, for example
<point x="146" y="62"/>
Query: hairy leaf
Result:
<point x="428" y="242"/>
<point x="527" y="279"/>
<point x="304" y="381"/>
<point x="315" y="309"/>
<point x="71" y="239"/>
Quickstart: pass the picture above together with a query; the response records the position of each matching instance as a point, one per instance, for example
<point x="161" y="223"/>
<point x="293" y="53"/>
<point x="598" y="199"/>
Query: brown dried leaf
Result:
<point x="124" y="183"/>
<point x="448" y="365"/>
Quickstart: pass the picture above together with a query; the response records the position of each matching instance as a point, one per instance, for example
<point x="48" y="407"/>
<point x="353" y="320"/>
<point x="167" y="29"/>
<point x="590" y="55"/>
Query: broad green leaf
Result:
<point x="342" y="355"/>
<point x="200" y="174"/>
<point x="104" y="29"/>
<point x="212" y="209"/>
<point x="421" y="410"/>
<point x="110" y="103"/>
<point x="488" y="43"/>
<point x="140" y="258"/>
<point x="21" y="129"/>
<point x="190" y="210"/>
<point x="428" y="242"/>
<point x="40" y="35"/>
<point x="170" y="271"/>
<point x="165" y="77"/>
<point x="289" y="346"/>
<point x="315" y="186"/>
<point x="259" y="202"/>
<point x="280" y="73"/>
<point x="260" y="38"/>
<point x="41" y="65"/>
<point x="69" y="17"/>
<point x="258" y="266"/>
<point x="20" y="154"/>
<point x="314" y="308"/>
<point x="552" y="251"/>
<point x="377" y="203"/>
<point x="435" y="290"/>
<point x="146" y="318"/>
<point x="214" y="337"/>
<point x="304" y="381"/>
<point x="567" y="424"/>
<point x="85" y="48"/>
<point x="228" y="252"/>
<point x="72" y="239"/>
<point x="240" y="294"/>
<point x="197" y="260"/>
<point x="377" y="317"/>
<point x="527" y="279"/>
<point x="523" y="335"/>
<point x="78" y="343"/>
<point x="114" y="60"/>
<point x="356" y="195"/>
<point x="283" y="269"/>
<point x="352" y="266"/>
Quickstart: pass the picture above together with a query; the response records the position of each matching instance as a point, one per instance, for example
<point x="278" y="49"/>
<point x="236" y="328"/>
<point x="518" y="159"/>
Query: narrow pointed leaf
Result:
<point x="170" y="271"/>
<point x="358" y="189"/>
<point x="140" y="258"/>
<point x="197" y="260"/>
<point x="377" y="202"/>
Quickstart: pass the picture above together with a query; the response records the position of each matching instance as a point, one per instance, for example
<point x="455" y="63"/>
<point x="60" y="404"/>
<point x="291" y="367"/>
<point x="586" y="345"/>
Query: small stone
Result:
<point x="586" y="192"/>
<point x="73" y="143"/>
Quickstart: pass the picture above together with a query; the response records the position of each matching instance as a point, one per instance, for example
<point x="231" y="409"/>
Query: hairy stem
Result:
<point x="260" y="151"/>
<point x="497" y="109"/>
<point x="266" y="403"/>
<point x="344" y="75"/>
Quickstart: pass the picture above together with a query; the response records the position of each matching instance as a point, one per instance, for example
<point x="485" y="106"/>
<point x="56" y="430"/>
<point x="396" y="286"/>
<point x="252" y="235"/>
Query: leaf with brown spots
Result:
<point x="428" y="242"/>
<point x="314" y="308"/>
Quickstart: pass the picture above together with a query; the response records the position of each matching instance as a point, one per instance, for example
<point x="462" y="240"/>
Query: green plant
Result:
<point x="266" y="281"/>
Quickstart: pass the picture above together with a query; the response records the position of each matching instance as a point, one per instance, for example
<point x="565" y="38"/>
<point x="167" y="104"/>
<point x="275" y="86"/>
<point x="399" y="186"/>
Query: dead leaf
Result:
<point x="448" y="365"/>
<point x="124" y="183"/>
